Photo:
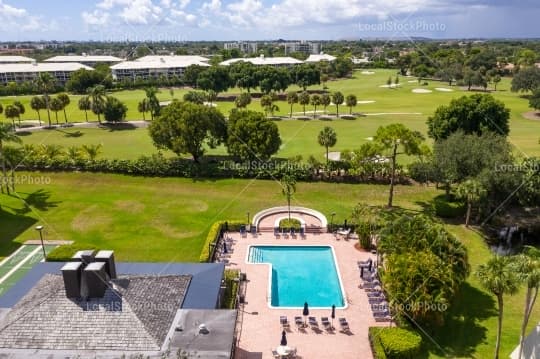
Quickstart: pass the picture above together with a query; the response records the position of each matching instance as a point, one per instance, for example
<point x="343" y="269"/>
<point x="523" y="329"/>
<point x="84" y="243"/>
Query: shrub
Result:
<point x="65" y="252"/>
<point x="400" y="343"/>
<point x="213" y="236"/>
<point x="348" y="117"/>
<point x="363" y="229"/>
<point x="375" y="341"/>
<point x="304" y="118"/>
<point x="290" y="223"/>
<point x="231" y="289"/>
<point x="448" y="209"/>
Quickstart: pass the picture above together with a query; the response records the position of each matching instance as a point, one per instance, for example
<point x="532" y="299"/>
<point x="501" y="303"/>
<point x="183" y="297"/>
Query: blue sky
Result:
<point x="187" y="20"/>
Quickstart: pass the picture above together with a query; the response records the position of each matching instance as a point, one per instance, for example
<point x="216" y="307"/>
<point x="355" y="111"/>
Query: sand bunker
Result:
<point x="365" y="102"/>
<point x="368" y="73"/>
<point x="390" y="86"/>
<point x="443" y="89"/>
<point x="421" y="91"/>
<point x="412" y="81"/>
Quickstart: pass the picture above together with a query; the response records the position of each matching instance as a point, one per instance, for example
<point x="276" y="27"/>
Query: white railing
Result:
<point x="284" y="209"/>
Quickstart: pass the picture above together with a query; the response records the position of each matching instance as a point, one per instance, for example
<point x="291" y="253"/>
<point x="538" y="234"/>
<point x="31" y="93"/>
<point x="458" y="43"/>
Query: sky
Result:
<point x="223" y="20"/>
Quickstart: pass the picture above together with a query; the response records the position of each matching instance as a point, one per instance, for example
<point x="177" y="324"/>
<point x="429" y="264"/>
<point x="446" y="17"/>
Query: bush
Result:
<point x="229" y="296"/>
<point x="65" y="252"/>
<point x="448" y="209"/>
<point x="375" y="340"/>
<point x="290" y="223"/>
<point x="213" y="236"/>
<point x="400" y="343"/>
<point x="364" y="235"/>
<point x="348" y="117"/>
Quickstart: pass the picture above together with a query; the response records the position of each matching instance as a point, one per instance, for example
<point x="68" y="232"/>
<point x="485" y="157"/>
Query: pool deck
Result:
<point x="260" y="325"/>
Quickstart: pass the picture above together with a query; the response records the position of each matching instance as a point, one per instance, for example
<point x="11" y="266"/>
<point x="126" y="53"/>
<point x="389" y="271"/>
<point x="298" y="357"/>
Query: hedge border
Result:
<point x="213" y="236"/>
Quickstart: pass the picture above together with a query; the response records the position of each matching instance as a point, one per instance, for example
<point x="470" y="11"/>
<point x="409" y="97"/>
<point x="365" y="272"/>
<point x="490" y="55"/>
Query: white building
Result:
<point x="262" y="60"/>
<point x="245" y="47"/>
<point x="531" y="346"/>
<point x="320" y="58"/>
<point x="89" y="60"/>
<point x="29" y="72"/>
<point x="154" y="67"/>
<point x="302" y="46"/>
<point x="15" y="60"/>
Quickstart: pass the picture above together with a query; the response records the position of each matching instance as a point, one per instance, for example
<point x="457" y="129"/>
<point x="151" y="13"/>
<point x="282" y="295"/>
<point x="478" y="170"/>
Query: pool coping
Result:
<point x="269" y="265"/>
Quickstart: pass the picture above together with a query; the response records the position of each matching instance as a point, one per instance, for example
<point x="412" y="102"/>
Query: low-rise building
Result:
<point x="15" y="60"/>
<point x="89" y="60"/>
<point x="155" y="67"/>
<point x="302" y="46"/>
<point x="270" y="61"/>
<point x="320" y="58"/>
<point x="245" y="47"/>
<point x="25" y="72"/>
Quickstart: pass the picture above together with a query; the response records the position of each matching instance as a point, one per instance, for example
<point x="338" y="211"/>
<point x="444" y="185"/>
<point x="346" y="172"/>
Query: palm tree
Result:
<point x="142" y="107"/>
<point x="303" y="99"/>
<point x="12" y="113"/>
<point x="73" y="153"/>
<point x="292" y="98"/>
<point x="529" y="272"/>
<point x="326" y="100"/>
<point x="288" y="188"/>
<point x="351" y="101"/>
<point x="14" y="156"/>
<point x="51" y="152"/>
<point x="498" y="277"/>
<point x="98" y="98"/>
<point x="56" y="105"/>
<point x="315" y="101"/>
<point x="45" y="83"/>
<point x="21" y="109"/>
<point x="471" y="191"/>
<point x="37" y="103"/>
<point x="1" y="109"/>
<point x="7" y="134"/>
<point x="85" y="104"/>
<point x="91" y="151"/>
<point x="327" y="138"/>
<point x="64" y="99"/>
<point x="152" y="101"/>
<point x="337" y="99"/>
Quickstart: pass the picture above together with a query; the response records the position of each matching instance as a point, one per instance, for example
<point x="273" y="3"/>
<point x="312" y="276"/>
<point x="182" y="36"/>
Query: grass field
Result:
<point x="299" y="137"/>
<point x="145" y="219"/>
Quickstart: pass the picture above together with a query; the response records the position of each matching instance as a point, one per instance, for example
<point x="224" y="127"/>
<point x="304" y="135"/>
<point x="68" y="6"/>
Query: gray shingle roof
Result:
<point x="134" y="316"/>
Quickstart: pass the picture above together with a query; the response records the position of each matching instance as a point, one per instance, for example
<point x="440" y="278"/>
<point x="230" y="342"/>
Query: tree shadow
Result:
<point x="75" y="134"/>
<point x="11" y="227"/>
<point x="38" y="200"/>
<point x="121" y="126"/>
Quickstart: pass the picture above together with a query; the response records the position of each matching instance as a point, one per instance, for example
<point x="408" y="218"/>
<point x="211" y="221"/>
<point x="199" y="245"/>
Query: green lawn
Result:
<point x="155" y="219"/>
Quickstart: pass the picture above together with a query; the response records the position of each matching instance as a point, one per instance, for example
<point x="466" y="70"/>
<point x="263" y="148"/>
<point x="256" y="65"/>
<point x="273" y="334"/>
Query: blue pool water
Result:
<point x="301" y="274"/>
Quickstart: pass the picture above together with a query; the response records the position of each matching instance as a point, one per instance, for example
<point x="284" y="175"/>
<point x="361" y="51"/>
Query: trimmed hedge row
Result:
<point x="231" y="289"/>
<point x="213" y="236"/>
<point x="65" y="252"/>
<point x="394" y="343"/>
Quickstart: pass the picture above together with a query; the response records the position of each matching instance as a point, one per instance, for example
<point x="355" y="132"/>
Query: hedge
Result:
<point x="65" y="252"/>
<point x="213" y="236"/>
<point x="292" y="223"/>
<point x="375" y="341"/>
<point x="229" y="296"/>
<point x="399" y="343"/>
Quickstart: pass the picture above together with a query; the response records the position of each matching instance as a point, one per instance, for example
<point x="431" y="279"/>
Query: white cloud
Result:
<point x="95" y="17"/>
<point x="18" y="18"/>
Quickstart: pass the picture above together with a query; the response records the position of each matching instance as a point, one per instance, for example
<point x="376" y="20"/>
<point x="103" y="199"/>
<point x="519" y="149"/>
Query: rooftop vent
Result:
<point x="95" y="279"/>
<point x="162" y="59"/>
<point x="203" y="329"/>
<point x="86" y="257"/>
<point x="107" y="257"/>
<point x="262" y="56"/>
<point x="71" y="273"/>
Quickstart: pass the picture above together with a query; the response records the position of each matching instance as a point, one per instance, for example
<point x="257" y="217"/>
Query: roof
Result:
<point x="43" y="67"/>
<point x="84" y="58"/>
<point x="531" y="345"/>
<point x="172" y="58"/>
<point x="261" y="60"/>
<point x="165" y="64"/>
<point x="320" y="57"/>
<point x="135" y="314"/>
<point x="14" y="59"/>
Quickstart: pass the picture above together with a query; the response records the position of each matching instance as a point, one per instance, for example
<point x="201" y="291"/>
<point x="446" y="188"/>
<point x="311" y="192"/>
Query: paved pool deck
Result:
<point x="260" y="325"/>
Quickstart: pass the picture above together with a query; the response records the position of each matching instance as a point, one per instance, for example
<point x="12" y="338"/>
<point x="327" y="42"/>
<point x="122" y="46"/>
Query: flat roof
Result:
<point x="265" y="61"/>
<point x="172" y="58"/>
<point x="84" y="58"/>
<point x="177" y="63"/>
<point x="320" y="57"/>
<point x="43" y="67"/>
<point x="12" y="59"/>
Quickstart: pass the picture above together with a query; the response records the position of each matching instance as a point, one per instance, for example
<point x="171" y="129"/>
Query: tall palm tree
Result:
<point x="85" y="104"/>
<point x="11" y="113"/>
<point x="98" y="97"/>
<point x="56" y="105"/>
<point x="315" y="102"/>
<point x="499" y="277"/>
<point x="303" y="100"/>
<point x="351" y="101"/>
<point x="337" y="99"/>
<point x="327" y="138"/>
<point x="21" y="109"/>
<point x="529" y="271"/>
<point x="37" y="103"/>
<point x="326" y="100"/>
<point x="471" y="191"/>
<point x="288" y="188"/>
<point x="14" y="156"/>
<point x="152" y="101"/>
<point x="65" y="100"/>
<point x="292" y="98"/>
<point x="45" y="83"/>
<point x="7" y="134"/>
<point x="142" y="107"/>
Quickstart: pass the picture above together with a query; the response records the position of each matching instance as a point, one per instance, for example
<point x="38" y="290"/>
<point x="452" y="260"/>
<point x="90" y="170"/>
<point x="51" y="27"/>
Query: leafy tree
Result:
<point x="341" y="67"/>
<point x="527" y="79"/>
<point x="197" y="97"/>
<point x="496" y="80"/>
<point x="242" y="100"/>
<point x="64" y="98"/>
<point x="471" y="191"/>
<point x="11" y="112"/>
<point x="56" y="106"/>
<point x="83" y="79"/>
<point x="499" y="277"/>
<point x="534" y="100"/>
<point x="267" y="103"/>
<point x="273" y="79"/>
<point x="337" y="99"/>
<point x="527" y="57"/>
<point x="114" y="110"/>
<point x="303" y="99"/>
<point x="45" y="82"/>
<point x="21" y="109"/>
<point x="326" y="100"/>
<point x="351" y="101"/>
<point x="315" y="102"/>
<point x="215" y="78"/>
<point x="85" y="104"/>
<point x="288" y="188"/>
<point x="327" y="138"/>
<point x="393" y="137"/>
<point x="14" y="156"/>
<point x="292" y="98"/>
<point x="98" y="98"/>
<point x="306" y="75"/>
<point x="471" y="114"/>
<point x="185" y="127"/>
<point x="7" y="134"/>
<point x="191" y="74"/>
<point x="152" y="102"/>
<point x="251" y="136"/>
<point x="244" y="75"/>
<point x="37" y="103"/>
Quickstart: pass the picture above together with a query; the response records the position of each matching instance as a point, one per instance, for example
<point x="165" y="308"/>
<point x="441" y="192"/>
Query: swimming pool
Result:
<point x="300" y="274"/>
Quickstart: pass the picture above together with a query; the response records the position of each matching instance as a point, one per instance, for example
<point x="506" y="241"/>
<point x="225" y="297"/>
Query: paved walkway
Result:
<point x="260" y="324"/>
<point x="138" y="124"/>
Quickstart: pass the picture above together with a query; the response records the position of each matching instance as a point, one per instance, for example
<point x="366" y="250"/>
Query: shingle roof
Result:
<point x="134" y="316"/>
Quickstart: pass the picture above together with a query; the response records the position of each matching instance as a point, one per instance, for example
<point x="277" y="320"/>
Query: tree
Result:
<point x="83" y="79"/>
<point x="242" y="100"/>
<point x="91" y="151"/>
<point x="351" y="101"/>
<point x="392" y="138"/>
<point x="244" y="75"/>
<point x="471" y="191"/>
<point x="46" y="83"/>
<point x="7" y="134"/>
<point x="251" y="136"/>
<point x="98" y="98"/>
<point x="21" y="109"/>
<point x="534" y="100"/>
<point x="337" y="99"/>
<point x="114" y="110"/>
<point x="1" y="109"/>
<point x="471" y="114"/>
<point x="496" y="79"/>
<point x="143" y="107"/>
<point x="529" y="272"/>
<point x="64" y="98"/>
<point x="56" y="105"/>
<point x="315" y="102"/>
<point x="152" y="102"/>
<point x="288" y="188"/>
<point x="306" y="75"/>
<point x="267" y="103"/>
<point x="215" y="78"/>
<point x="303" y="99"/>
<point x="197" y="97"/>
<point x="11" y="112"/>
<point x="527" y="57"/>
<point x="85" y="104"/>
<point x="185" y="127"/>
<point x="527" y="79"/>
<point x="14" y="156"/>
<point x="292" y="98"/>
<point x="327" y="138"/>
<point x="389" y="82"/>
<point x="326" y="100"/>
<point x="273" y="79"/>
<point x="37" y="103"/>
<point x="499" y="278"/>
<point x="191" y="74"/>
